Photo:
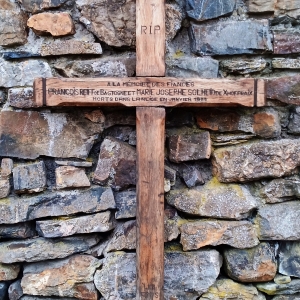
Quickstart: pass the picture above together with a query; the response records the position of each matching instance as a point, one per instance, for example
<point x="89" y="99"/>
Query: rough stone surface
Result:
<point x="9" y="272"/>
<point x="228" y="37"/>
<point x="201" y="10"/>
<point x="284" y="89"/>
<point x="39" y="249"/>
<point x="289" y="258"/>
<point x="171" y="224"/>
<point x="3" y="290"/>
<point x="4" y="188"/>
<point x="126" y="204"/>
<point x="69" y="176"/>
<point x="294" y="122"/>
<point x="214" y="199"/>
<point x="286" y="41"/>
<point x="192" y="177"/>
<point x="56" y="24"/>
<point x="187" y="275"/>
<point x="192" y="67"/>
<point x="280" y="190"/>
<point x="17" y="231"/>
<point x="257" y="6"/>
<point x="95" y="199"/>
<point x="197" y="234"/>
<point x="279" y="221"/>
<point x="105" y="28"/>
<point x="2" y="96"/>
<point x="281" y="279"/>
<point x="271" y="288"/>
<point x="30" y="134"/>
<point x="116" y="165"/>
<point x="243" y="66"/>
<point x="21" y="97"/>
<point x="15" y="291"/>
<point x="29" y="178"/>
<point x="112" y="66"/>
<point x="6" y="167"/>
<point x="81" y="164"/>
<point x="228" y="289"/>
<point x="100" y="222"/>
<point x="35" y="6"/>
<point x="22" y="73"/>
<point x="12" y="26"/>
<point x="286" y="63"/>
<point x="256" y="264"/>
<point x="70" y="277"/>
<point x="264" y="123"/>
<point x="256" y="160"/>
<point x="189" y="147"/>
<point x="70" y="47"/>
<point x="287" y="297"/>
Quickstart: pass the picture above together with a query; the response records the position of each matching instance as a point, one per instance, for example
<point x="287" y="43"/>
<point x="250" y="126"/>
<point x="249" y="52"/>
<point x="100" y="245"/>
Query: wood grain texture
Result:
<point x="148" y="91"/>
<point x="261" y="93"/>
<point x="150" y="195"/>
<point x="150" y="38"/>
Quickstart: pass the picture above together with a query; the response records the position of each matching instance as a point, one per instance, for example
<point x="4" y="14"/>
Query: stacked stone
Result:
<point x="67" y="178"/>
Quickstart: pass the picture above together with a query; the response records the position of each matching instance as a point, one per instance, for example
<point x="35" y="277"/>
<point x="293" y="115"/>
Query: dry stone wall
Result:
<point x="67" y="177"/>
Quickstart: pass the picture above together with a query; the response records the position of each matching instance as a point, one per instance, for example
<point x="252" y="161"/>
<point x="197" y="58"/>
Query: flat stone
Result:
<point x="126" y="204"/>
<point x="286" y="41"/>
<point x="4" y="188"/>
<point x="189" y="147"/>
<point x="286" y="63"/>
<point x="288" y="7"/>
<point x="171" y="224"/>
<point x="69" y="277"/>
<point x="95" y="199"/>
<point x="100" y="222"/>
<point x="258" y="6"/>
<point x="21" y="97"/>
<point x="187" y="275"/>
<point x="123" y="237"/>
<point x="280" y="190"/>
<point x="256" y="264"/>
<point x="237" y="234"/>
<point x="271" y="288"/>
<point x="279" y="221"/>
<point x="22" y="73"/>
<point x="285" y="89"/>
<point x="111" y="66"/>
<point x="38" y="249"/>
<point x="116" y="165"/>
<point x="56" y="24"/>
<point x="121" y="15"/>
<point x="228" y="37"/>
<point x="3" y="290"/>
<point x="214" y="199"/>
<point x="256" y="160"/>
<point x="70" y="47"/>
<point x="35" y="6"/>
<point x="192" y="177"/>
<point x="192" y="67"/>
<point x="289" y="257"/>
<point x="45" y="133"/>
<point x="69" y="176"/>
<point x="201" y="10"/>
<point x="294" y="121"/>
<point x="15" y="291"/>
<point x="243" y="66"/>
<point x="12" y="27"/>
<point x="263" y="122"/>
<point x="9" y="272"/>
<point x="228" y="289"/>
<point x="6" y="167"/>
<point x="17" y="231"/>
<point x="82" y="164"/>
<point x="229" y="139"/>
<point x="29" y="178"/>
<point x="96" y="116"/>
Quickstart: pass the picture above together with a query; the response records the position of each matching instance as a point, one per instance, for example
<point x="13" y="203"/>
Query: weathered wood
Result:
<point x="150" y="196"/>
<point x="148" y="91"/>
<point x="150" y="38"/>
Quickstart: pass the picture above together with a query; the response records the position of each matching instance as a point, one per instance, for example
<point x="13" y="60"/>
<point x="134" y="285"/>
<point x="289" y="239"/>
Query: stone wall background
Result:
<point x="67" y="186"/>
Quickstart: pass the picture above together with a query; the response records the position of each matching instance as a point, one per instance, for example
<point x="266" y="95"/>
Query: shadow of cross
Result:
<point x="150" y="92"/>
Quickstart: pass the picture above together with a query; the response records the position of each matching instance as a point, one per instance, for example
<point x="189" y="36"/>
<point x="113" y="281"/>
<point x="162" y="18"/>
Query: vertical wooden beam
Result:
<point x="150" y="38"/>
<point x="150" y="195"/>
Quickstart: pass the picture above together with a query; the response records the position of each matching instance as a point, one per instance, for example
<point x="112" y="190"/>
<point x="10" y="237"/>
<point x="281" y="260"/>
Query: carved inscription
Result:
<point x="149" y="292"/>
<point x="150" y="29"/>
<point x="161" y="91"/>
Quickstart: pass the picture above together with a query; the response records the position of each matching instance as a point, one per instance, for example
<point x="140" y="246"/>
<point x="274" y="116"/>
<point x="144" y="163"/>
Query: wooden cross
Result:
<point x="150" y="92"/>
